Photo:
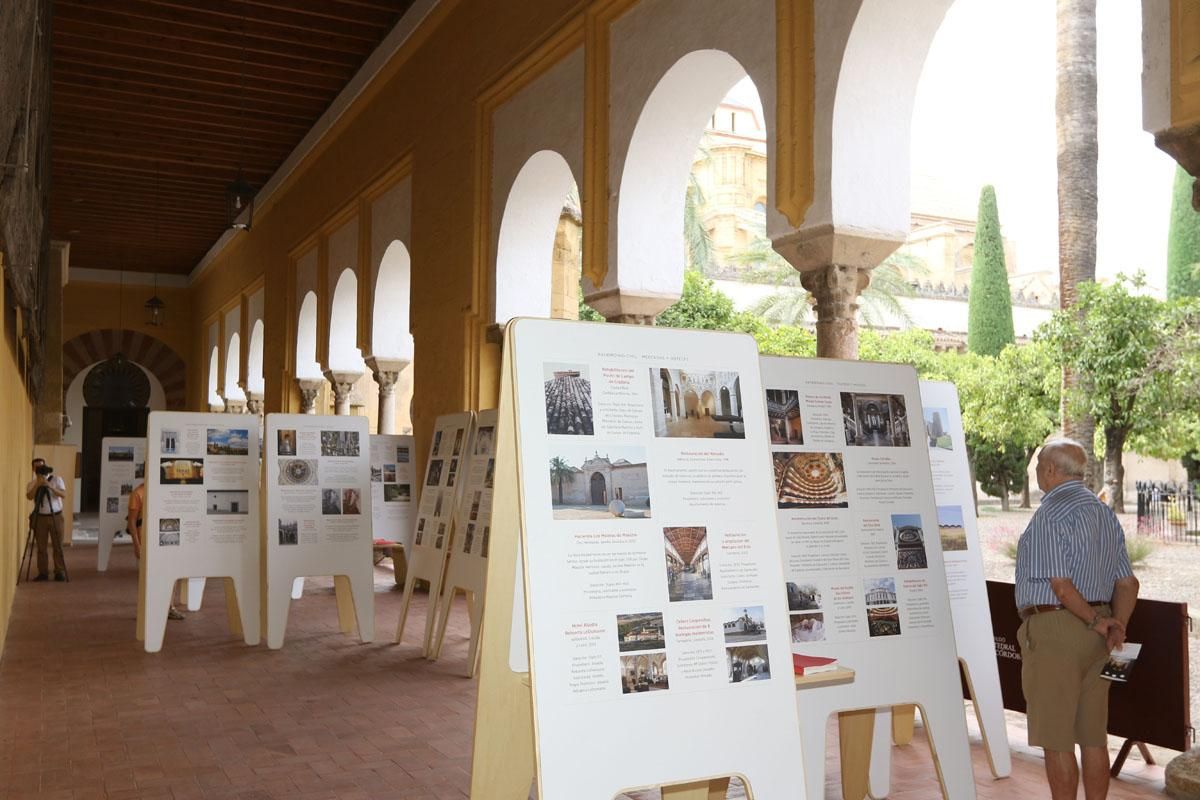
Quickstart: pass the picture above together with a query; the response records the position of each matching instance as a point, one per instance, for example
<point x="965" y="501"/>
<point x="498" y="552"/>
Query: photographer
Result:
<point x="48" y="491"/>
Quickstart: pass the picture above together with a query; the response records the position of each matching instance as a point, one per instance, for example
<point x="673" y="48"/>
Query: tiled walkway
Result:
<point x="85" y="713"/>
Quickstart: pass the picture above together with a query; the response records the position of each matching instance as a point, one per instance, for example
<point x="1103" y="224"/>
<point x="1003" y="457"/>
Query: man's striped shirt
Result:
<point x="1072" y="535"/>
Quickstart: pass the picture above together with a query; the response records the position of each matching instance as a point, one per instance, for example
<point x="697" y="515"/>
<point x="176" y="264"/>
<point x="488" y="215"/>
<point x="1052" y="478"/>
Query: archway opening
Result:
<point x="599" y="490"/>
<point x="306" y="339"/>
<point x="344" y="355"/>
<point x="233" y="356"/>
<point x="708" y="403"/>
<point x="255" y="380"/>
<point x="391" y="325"/>
<point x="214" y="380"/>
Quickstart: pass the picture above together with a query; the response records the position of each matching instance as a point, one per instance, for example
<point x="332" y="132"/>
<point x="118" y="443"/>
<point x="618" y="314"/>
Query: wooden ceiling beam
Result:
<point x="68" y="99"/>
<point x="169" y="142"/>
<point x="130" y="163"/>
<point x="368" y="25"/>
<point x="178" y="210"/>
<point x="385" y="15"/>
<point x="154" y="101"/>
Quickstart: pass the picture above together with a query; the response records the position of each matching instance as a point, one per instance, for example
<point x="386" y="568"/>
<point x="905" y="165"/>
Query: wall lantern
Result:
<point x="239" y="199"/>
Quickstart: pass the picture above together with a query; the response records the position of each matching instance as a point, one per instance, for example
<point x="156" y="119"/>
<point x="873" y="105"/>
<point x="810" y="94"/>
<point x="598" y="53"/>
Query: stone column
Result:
<point x="835" y="290"/>
<point x="253" y="405"/>
<point x="234" y="406"/>
<point x="309" y="389"/>
<point x="617" y="305"/>
<point x="386" y="372"/>
<point x="343" y="384"/>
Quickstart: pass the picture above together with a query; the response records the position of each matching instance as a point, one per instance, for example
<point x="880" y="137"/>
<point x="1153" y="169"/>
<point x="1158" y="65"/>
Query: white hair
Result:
<point x="1067" y="456"/>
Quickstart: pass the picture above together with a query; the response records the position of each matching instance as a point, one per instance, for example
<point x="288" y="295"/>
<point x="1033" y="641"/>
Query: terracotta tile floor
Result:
<point x="85" y="713"/>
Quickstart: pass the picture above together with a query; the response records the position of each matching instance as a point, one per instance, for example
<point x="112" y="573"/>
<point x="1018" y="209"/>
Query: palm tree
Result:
<point x="1078" y="151"/>
<point x="560" y="470"/>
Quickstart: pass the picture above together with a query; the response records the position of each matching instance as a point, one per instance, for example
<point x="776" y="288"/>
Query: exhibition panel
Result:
<point x="445" y="475"/>
<point x="317" y="472"/>
<point x="122" y="468"/>
<point x="393" y="484"/>
<point x="866" y="586"/>
<point x="202" y="515"/>
<point x="654" y="583"/>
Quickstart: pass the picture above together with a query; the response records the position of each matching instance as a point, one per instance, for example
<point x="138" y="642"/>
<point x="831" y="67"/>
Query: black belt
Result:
<point x="1028" y="611"/>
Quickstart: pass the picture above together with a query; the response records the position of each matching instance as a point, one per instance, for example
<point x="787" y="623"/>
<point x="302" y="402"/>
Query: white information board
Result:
<point x="433" y="535"/>
<point x="317" y="474"/>
<point x="122" y="468"/>
<point x="202" y="516"/>
<point x="862" y="557"/>
<point x="467" y="568"/>
<point x="393" y="488"/>
<point x="658" y="625"/>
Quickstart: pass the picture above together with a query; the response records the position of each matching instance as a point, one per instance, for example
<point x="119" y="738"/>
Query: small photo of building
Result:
<point x="420" y="531"/>
<point x="568" y="400"/>
<point x="453" y="474"/>
<point x="475" y="501"/>
<point x="437" y="505"/>
<point x="783" y="416"/>
<point x="168" y="525"/>
<point x="181" y="471"/>
<point x="585" y="483"/>
<point x="126" y="489"/>
<point x="810" y="480"/>
<point x="951" y="529"/>
<point x="285" y="442"/>
<point x="879" y="591"/>
<point x="376" y="475"/>
<point x="489" y="477"/>
<point x="168" y="443"/>
<point x="289" y="532"/>
<point x="704" y="404"/>
<point x="689" y="573"/>
<point x="397" y="492"/>
<point x="441" y="536"/>
<point x="640" y="632"/>
<point x="936" y="429"/>
<point x="803" y="596"/>
<point x="875" y="420"/>
<point x="120" y="452"/>
<point x="112" y="505"/>
<point x="227" y="502"/>
<point x="228" y="441"/>
<point x="909" y="539"/>
<point x="434" y="476"/>
<point x="331" y="501"/>
<point x="168" y="538"/>
<point x="458" y="440"/>
<point x="389" y="473"/>
<point x="745" y="624"/>
<point x="437" y="443"/>
<point x="484" y="439"/>
<point x="748" y="663"/>
<point x="883" y="621"/>
<point x="645" y="672"/>
<point x="469" y="538"/>
<point x="402" y="455"/>
<point x="339" y="444"/>
<point x="808" y="627"/>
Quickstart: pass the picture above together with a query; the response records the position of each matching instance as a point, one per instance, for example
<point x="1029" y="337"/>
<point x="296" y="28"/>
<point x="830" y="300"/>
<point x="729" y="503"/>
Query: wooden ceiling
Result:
<point x="156" y="104"/>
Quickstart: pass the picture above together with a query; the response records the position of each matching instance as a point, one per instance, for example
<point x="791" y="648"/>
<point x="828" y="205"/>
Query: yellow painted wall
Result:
<point x="17" y="413"/>
<point x="423" y="106"/>
<point x="103" y="306"/>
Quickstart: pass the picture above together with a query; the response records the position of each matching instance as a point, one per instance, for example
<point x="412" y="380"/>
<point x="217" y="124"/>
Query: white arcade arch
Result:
<point x="391" y="335"/>
<point x="306" y="339"/>
<point x="233" y="355"/>
<point x="344" y="355"/>
<point x="214" y="396"/>
<point x="255" y="381"/>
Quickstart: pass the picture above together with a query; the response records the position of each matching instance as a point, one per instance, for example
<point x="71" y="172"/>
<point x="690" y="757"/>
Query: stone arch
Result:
<point x="691" y="403"/>
<point x="233" y="357"/>
<point x="214" y="378"/>
<point x="255" y="381"/>
<point x="525" y="250"/>
<point x="343" y="325"/>
<point x="708" y="403"/>
<point x="391" y="330"/>
<point x="156" y="357"/>
<point x="598" y="490"/>
<point x="650" y="248"/>
<point x="306" y="339"/>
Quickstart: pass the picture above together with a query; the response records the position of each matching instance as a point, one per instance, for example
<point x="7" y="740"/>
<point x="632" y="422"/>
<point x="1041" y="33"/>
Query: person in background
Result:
<point x="47" y="519"/>
<point x="1075" y="593"/>
<point x="133" y="524"/>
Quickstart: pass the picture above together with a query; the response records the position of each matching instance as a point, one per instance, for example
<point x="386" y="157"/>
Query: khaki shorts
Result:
<point x="1066" y="699"/>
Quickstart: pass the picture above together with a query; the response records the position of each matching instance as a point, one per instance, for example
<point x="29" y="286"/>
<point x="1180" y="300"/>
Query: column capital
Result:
<point x="835" y="289"/>
<point x="386" y="371"/>
<point x="253" y="404"/>
<point x="342" y="382"/>
<point x="818" y="246"/>
<point x="617" y="305"/>
<point x="309" y="389"/>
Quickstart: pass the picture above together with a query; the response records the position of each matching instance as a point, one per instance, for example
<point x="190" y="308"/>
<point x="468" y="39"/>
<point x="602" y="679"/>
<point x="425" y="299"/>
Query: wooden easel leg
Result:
<point x="855" y="730"/>
<point x="1145" y="751"/>
<point x="443" y="618"/>
<point x="404" y="603"/>
<point x="399" y="565"/>
<point x="903" y="722"/>
<point x="140" y="631"/>
<point x="232" y="610"/>
<point x="715" y="789"/>
<point x="1122" y="754"/>
<point x="345" y="603"/>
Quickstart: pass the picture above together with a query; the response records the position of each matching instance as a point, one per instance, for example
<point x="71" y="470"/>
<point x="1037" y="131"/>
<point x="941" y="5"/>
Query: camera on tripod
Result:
<point x="45" y="470"/>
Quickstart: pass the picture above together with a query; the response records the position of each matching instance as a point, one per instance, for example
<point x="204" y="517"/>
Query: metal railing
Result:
<point x="1170" y="511"/>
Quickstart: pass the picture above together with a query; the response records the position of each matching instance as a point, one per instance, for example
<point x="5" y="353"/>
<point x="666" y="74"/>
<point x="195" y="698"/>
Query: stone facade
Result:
<point x="600" y="481"/>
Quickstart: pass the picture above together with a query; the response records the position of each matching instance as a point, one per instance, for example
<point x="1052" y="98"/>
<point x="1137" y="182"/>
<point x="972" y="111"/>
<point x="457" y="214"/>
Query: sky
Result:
<point x="985" y="114"/>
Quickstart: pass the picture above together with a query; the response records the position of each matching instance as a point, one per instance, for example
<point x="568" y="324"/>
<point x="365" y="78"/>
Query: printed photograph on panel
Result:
<point x="458" y="440"/>
<point x="909" y="539"/>
<point x="701" y="404"/>
<point x="489" y="476"/>
<point x="803" y="596"/>
<point x="168" y="443"/>
<point x="689" y="574"/>
<point x="228" y="441"/>
<point x="883" y="612"/>
<point x="168" y="532"/>
<point x="469" y="538"/>
<point x="435" y="472"/>
<point x="568" y="400"/>
<point x="181" y="471"/>
<point x="289" y="532"/>
<point x="588" y="482"/>
<point x="298" y="471"/>
<point x="331" y="501"/>
<point x="126" y="489"/>
<point x="339" y="444"/>
<point x="875" y="420"/>
<point x="227" y="501"/>
<point x="112" y="505"/>
<point x="376" y="474"/>
<point x="808" y="627"/>
<point x="783" y="414"/>
<point x="285" y="442"/>
<point x="951" y="529"/>
<point x="936" y="420"/>
<point x="640" y="632"/>
<point x="351" y="501"/>
<point x="748" y="663"/>
<point x="402" y="454"/>
<point x="437" y="505"/>
<point x="810" y="480"/>
<point x="420" y="531"/>
<point x="487" y="537"/>
<point x="120" y="452"/>
<point x="397" y="492"/>
<point x="437" y="443"/>
<point x="745" y="624"/>
<point x="646" y="672"/>
<point x="389" y="473"/>
<point x="139" y="470"/>
<point x="484" y="438"/>
<point x="452" y="473"/>
<point x="441" y="536"/>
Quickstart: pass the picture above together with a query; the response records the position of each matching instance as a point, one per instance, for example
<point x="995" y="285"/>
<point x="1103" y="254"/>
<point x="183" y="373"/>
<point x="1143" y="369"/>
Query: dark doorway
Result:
<point x="116" y="394"/>
<point x="599" y="492"/>
<point x="726" y="408"/>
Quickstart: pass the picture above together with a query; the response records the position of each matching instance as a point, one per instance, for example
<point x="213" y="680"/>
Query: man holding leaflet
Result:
<point x="1075" y="592"/>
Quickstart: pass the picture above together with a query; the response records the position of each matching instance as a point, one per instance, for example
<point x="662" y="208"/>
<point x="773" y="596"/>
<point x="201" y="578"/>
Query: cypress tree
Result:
<point x="989" y="310"/>
<point x="1183" y="240"/>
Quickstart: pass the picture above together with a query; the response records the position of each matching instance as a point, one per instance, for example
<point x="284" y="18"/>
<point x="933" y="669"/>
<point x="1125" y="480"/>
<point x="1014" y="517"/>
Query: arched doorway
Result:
<point x="599" y="490"/>
<point x="691" y="404"/>
<point x="708" y="403"/>
<point x="665" y="377"/>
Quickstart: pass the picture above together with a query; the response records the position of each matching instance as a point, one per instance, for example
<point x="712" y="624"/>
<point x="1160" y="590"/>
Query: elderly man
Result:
<point x="1075" y="592"/>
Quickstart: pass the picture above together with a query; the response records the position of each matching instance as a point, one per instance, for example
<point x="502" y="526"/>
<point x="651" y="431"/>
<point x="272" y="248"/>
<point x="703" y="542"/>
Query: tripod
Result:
<point x="26" y="564"/>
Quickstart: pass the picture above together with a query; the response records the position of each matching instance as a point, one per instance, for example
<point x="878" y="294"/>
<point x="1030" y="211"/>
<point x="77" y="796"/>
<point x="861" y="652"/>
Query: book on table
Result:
<point x="812" y="665"/>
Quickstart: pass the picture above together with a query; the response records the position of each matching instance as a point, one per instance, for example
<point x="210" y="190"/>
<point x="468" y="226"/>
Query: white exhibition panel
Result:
<point x="122" y="468"/>
<point x="865" y="578"/>
<point x="393" y="488"/>
<point x="202" y="515"/>
<point x="433" y="535"/>
<point x="631" y="604"/>
<point x="317" y="474"/>
<point x="467" y="569"/>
